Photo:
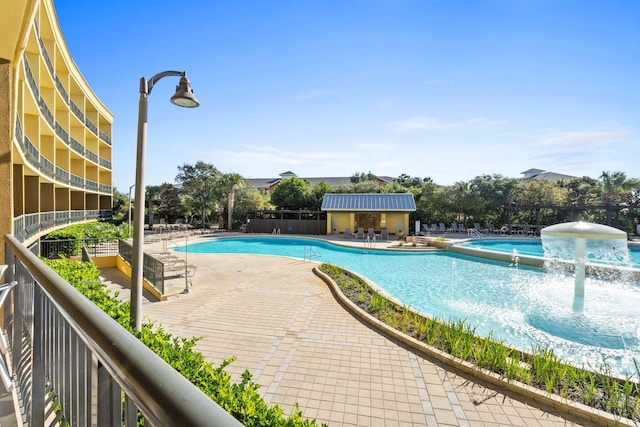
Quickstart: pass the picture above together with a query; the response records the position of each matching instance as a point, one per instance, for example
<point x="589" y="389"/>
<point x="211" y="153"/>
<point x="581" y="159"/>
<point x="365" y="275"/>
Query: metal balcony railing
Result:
<point x="65" y="350"/>
<point x="76" y="146"/>
<point x="91" y="155"/>
<point x="62" y="175"/>
<point x="90" y="125"/>
<point x="29" y="225"/>
<point x="76" y="110"/>
<point x="103" y="136"/>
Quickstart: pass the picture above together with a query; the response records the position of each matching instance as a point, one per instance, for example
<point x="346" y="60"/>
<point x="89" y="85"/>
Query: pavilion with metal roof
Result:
<point x="387" y="214"/>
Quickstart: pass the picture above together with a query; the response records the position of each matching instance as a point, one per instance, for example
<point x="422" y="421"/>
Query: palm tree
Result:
<point x="230" y="182"/>
<point x="151" y="196"/>
<point x="614" y="186"/>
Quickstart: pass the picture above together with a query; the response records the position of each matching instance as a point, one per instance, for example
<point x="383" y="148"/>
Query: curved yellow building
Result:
<point x="55" y="134"/>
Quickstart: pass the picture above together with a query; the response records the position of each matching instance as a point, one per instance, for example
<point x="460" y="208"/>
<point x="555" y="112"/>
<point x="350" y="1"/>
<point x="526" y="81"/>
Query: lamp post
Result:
<point x="186" y="263"/>
<point x="183" y="98"/>
<point x="129" y="222"/>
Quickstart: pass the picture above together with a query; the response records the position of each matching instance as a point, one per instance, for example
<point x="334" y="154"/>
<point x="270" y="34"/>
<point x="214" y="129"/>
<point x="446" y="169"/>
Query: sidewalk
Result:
<point x="282" y="324"/>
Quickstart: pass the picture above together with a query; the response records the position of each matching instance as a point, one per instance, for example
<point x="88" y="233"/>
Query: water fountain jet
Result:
<point x="580" y="232"/>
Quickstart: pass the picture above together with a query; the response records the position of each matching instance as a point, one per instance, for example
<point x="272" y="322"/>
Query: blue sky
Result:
<point x="442" y="89"/>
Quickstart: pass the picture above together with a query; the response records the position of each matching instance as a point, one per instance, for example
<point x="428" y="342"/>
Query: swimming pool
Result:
<point x="523" y="306"/>
<point x="533" y="248"/>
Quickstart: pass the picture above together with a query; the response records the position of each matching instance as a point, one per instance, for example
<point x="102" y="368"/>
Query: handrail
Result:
<point x="474" y="232"/>
<point x="159" y="392"/>
<point x="312" y="253"/>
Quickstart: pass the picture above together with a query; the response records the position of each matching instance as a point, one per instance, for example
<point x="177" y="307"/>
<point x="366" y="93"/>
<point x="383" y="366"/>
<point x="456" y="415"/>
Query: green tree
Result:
<point x="407" y="181"/>
<point x="492" y="193"/>
<point x="580" y="191"/>
<point x="541" y="194"/>
<point x="199" y="183"/>
<point x="621" y="192"/>
<point x="169" y="204"/>
<point x="120" y="207"/>
<point x="249" y="199"/>
<point x="317" y="194"/>
<point x="291" y="193"/>
<point x="433" y="204"/>
<point x="151" y="196"/>
<point x="615" y="188"/>
<point x="365" y="186"/>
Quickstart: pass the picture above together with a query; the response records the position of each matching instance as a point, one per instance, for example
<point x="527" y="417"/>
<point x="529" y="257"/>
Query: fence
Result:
<point x="287" y="226"/>
<point x="153" y="269"/>
<point x="71" y="247"/>
<point x="66" y="352"/>
<point x="287" y="222"/>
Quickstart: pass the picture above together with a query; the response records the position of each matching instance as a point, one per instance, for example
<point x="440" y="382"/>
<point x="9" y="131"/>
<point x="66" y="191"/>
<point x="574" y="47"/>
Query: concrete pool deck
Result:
<point x="283" y="324"/>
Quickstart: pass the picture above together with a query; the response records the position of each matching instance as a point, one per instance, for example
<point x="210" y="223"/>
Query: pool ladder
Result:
<point x="311" y="254"/>
<point x="473" y="232"/>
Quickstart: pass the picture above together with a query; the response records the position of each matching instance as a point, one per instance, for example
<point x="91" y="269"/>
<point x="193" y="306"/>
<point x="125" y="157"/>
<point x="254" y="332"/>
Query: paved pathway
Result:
<point x="283" y="325"/>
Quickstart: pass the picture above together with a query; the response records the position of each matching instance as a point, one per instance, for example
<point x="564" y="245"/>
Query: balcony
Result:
<point x="77" y="181"/>
<point x="91" y="185"/>
<point x="46" y="112"/>
<point x="46" y="167"/>
<point x="106" y="163"/>
<point x="77" y="111"/>
<point x="76" y="146"/>
<point x="45" y="56"/>
<point x="62" y="133"/>
<point x="92" y="127"/>
<point x="106" y="138"/>
<point x="62" y="90"/>
<point x="91" y="155"/>
<point x="32" y="81"/>
<point x="62" y="175"/>
<point x="33" y="156"/>
<point x="20" y="135"/>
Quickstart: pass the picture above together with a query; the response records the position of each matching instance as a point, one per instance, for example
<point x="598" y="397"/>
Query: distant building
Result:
<point x="385" y="214"/>
<point x="267" y="185"/>
<point x="543" y="175"/>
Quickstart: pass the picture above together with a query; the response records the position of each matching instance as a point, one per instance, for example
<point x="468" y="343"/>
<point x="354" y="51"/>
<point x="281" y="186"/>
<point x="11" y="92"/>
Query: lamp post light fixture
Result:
<point x="183" y="97"/>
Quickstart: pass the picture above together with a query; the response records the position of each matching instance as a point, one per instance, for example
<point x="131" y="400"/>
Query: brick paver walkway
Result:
<point x="282" y="323"/>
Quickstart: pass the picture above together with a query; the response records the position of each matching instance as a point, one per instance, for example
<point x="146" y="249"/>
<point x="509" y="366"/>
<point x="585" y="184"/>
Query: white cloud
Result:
<point x="433" y="124"/>
<point x="315" y="93"/>
<point x="581" y="139"/>
<point x="376" y="146"/>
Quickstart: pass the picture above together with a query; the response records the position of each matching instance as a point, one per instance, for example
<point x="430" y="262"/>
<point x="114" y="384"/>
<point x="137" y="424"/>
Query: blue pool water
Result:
<point x="523" y="306"/>
<point x="532" y="248"/>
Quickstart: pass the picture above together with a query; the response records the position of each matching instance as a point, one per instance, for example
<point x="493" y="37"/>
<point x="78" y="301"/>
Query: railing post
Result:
<point x="37" y="380"/>
<point x="109" y="398"/>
